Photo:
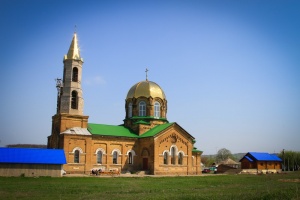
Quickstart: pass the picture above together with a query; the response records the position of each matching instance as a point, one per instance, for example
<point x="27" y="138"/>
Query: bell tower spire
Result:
<point x="71" y="101"/>
<point x="69" y="113"/>
<point x="74" y="52"/>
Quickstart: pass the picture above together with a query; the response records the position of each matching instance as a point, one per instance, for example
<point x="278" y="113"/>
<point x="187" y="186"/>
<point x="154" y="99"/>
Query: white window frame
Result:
<point x="142" y="109"/>
<point x="130" y="110"/>
<point x="156" y="109"/>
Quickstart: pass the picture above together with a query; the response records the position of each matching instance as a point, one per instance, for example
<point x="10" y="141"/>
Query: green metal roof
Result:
<point x="148" y="117"/>
<point x="196" y="150"/>
<point x="142" y="122"/>
<point x="156" y="130"/>
<point x="121" y="131"/>
<point x="111" y="130"/>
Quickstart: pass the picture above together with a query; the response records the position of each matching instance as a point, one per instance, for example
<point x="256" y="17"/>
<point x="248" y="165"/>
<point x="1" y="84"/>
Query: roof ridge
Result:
<point x="157" y="129"/>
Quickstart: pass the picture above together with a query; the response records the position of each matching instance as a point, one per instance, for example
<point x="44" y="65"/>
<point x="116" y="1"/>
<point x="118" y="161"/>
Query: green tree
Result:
<point x="290" y="160"/>
<point x="208" y="160"/>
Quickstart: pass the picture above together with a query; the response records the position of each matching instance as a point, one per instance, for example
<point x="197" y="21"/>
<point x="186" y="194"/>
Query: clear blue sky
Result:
<point x="230" y="69"/>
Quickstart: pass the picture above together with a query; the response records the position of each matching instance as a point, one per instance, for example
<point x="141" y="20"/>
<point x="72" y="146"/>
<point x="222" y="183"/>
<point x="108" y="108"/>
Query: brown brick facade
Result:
<point x="148" y="153"/>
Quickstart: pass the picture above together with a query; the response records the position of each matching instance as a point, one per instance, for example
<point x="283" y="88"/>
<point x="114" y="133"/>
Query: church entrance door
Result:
<point x="145" y="163"/>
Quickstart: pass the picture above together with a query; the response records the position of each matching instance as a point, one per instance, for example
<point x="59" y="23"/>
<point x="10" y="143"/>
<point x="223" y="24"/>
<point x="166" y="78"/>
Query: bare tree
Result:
<point x="223" y="154"/>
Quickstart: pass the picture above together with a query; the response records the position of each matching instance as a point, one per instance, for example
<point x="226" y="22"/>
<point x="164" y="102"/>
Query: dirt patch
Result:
<point x="290" y="180"/>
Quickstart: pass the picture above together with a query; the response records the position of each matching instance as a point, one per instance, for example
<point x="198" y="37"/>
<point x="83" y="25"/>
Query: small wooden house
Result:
<point x="229" y="162"/>
<point x="31" y="162"/>
<point x="259" y="162"/>
<point x="228" y="165"/>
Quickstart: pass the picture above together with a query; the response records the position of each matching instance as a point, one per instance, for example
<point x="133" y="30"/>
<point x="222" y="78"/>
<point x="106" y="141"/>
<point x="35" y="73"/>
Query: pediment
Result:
<point x="174" y="134"/>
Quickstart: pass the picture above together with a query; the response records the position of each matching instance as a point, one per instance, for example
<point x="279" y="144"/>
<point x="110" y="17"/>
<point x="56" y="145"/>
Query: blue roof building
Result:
<point x="261" y="162"/>
<point x="31" y="162"/>
<point x="32" y="156"/>
<point x="261" y="156"/>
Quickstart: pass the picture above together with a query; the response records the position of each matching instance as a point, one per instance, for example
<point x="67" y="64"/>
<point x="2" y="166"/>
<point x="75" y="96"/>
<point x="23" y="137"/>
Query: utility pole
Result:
<point x="59" y="85"/>
<point x="283" y="160"/>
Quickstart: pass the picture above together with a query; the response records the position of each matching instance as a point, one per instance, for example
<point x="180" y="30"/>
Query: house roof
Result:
<point x="261" y="156"/>
<point x="228" y="161"/>
<point x="248" y="158"/>
<point x="32" y="156"/>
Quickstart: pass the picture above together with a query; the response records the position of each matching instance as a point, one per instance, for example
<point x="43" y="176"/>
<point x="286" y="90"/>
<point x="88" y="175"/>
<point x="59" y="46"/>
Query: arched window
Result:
<point x="157" y="109"/>
<point x="142" y="109"/>
<point x="166" y="158"/>
<point x="99" y="157"/>
<point x="75" y="74"/>
<point x="193" y="160"/>
<point x="64" y="76"/>
<point x="115" y="157"/>
<point x="76" y="156"/>
<point x="180" y="158"/>
<point x="173" y="156"/>
<point x="130" y="110"/>
<point x="130" y="158"/>
<point x="145" y="152"/>
<point x="74" y="100"/>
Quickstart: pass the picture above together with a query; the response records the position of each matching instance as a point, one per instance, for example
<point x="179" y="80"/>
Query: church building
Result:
<point x="146" y="141"/>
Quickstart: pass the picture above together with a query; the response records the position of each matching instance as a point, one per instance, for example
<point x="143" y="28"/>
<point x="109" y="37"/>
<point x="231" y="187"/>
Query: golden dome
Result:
<point x="146" y="89"/>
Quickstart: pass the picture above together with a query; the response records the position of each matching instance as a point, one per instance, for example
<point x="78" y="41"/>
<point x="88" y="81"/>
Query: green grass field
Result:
<point x="273" y="186"/>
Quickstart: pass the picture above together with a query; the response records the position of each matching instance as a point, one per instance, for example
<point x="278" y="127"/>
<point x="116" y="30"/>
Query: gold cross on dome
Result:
<point x="146" y="74"/>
